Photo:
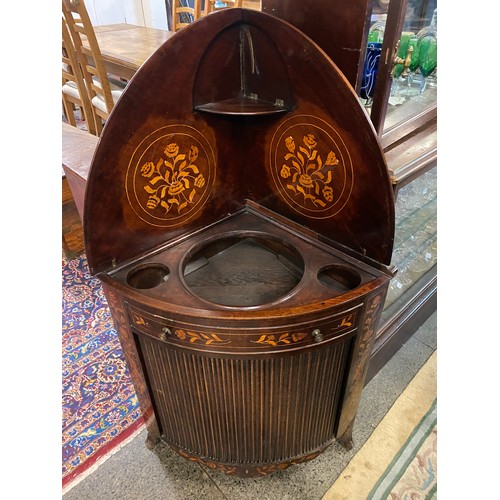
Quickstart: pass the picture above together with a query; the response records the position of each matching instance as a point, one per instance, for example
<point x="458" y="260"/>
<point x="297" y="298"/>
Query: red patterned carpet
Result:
<point x="99" y="406"/>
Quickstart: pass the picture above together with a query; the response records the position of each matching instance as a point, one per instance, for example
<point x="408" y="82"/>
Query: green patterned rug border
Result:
<point x="407" y="453"/>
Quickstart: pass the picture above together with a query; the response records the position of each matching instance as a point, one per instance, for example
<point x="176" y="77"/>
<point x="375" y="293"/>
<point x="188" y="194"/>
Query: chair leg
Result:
<point x="98" y="124"/>
<point x="69" y="113"/>
<point x="89" y="120"/>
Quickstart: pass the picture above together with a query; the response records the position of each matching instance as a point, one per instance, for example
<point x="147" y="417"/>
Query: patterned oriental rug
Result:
<point x="399" y="459"/>
<point x="100" y="411"/>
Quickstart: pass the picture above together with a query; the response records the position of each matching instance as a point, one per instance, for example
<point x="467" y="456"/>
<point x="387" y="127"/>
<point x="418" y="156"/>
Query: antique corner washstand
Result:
<point x="240" y="216"/>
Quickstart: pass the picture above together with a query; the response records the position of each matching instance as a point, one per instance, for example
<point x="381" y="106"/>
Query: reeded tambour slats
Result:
<point x="246" y="411"/>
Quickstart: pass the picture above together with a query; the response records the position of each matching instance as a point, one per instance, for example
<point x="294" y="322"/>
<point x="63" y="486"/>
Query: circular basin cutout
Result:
<point x="243" y="270"/>
<point x="147" y="276"/>
<point x="339" y="278"/>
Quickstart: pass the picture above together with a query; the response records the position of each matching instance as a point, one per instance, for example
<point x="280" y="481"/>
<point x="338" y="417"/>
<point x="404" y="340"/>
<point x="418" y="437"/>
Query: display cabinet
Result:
<point x="387" y="51"/>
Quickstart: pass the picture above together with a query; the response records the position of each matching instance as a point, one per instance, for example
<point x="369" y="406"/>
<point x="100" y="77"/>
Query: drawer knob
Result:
<point x="165" y="331"/>
<point x="317" y="335"/>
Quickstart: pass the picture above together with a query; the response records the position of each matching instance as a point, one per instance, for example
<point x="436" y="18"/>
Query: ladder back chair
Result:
<point x="217" y="5"/>
<point x="183" y="14"/>
<point x="74" y="88"/>
<point x="102" y="96"/>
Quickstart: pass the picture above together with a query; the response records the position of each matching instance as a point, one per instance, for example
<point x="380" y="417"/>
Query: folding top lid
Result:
<point x="238" y="106"/>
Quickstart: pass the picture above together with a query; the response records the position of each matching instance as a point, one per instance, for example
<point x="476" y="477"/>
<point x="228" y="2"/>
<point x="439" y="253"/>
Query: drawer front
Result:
<point x="245" y="340"/>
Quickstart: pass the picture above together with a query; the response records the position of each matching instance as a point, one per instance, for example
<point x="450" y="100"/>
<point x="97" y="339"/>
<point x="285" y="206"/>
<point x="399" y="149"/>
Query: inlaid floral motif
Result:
<point x="346" y="321"/>
<point x="139" y="320"/>
<point x="285" y="338"/>
<point x="205" y="338"/>
<point x="174" y="179"/>
<point x="306" y="174"/>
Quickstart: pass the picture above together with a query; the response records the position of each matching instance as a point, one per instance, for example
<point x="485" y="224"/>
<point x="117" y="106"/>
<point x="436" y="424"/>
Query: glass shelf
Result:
<point x="400" y="68"/>
<point x="405" y="102"/>
<point x="415" y="244"/>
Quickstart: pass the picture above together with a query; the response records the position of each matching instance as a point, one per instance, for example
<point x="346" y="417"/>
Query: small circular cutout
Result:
<point x="339" y="278"/>
<point x="148" y="276"/>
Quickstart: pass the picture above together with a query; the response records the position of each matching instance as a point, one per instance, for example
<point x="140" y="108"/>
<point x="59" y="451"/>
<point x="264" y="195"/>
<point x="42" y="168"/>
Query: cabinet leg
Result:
<point x="152" y="440"/>
<point x="346" y="439"/>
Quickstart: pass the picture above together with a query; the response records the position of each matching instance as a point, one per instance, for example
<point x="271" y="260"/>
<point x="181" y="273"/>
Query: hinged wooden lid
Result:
<point x="238" y="106"/>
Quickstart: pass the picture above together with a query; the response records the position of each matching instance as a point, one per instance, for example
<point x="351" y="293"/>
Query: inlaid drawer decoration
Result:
<point x="171" y="331"/>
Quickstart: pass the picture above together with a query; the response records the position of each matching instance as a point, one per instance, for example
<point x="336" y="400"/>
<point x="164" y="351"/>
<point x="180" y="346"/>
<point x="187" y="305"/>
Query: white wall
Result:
<point x="155" y="14"/>
<point x="149" y="13"/>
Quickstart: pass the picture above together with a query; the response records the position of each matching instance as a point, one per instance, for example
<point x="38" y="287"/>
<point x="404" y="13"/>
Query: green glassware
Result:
<point x="415" y="43"/>
<point x="427" y="59"/>
<point x="402" y="50"/>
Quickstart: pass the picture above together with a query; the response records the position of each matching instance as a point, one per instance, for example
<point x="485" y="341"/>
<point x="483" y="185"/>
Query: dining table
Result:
<point x="125" y="47"/>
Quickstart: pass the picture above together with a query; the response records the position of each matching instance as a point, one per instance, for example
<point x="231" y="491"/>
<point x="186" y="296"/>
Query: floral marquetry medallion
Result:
<point x="170" y="175"/>
<point x="311" y="166"/>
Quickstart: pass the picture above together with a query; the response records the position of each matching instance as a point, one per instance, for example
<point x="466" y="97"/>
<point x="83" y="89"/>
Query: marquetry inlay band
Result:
<point x="261" y="340"/>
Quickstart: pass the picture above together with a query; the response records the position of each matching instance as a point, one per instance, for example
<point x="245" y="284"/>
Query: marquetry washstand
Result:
<point x="240" y="216"/>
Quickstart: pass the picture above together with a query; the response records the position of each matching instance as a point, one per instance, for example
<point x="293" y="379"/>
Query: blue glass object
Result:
<point x="370" y="70"/>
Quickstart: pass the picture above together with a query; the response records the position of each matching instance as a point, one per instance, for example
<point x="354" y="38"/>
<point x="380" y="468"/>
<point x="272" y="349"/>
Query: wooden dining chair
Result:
<point x="216" y="5"/>
<point x="183" y="14"/>
<point x="74" y="88"/>
<point x="103" y="95"/>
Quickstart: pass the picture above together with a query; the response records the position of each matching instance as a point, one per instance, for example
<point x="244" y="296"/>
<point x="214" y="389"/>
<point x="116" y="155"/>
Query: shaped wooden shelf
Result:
<point x="245" y="106"/>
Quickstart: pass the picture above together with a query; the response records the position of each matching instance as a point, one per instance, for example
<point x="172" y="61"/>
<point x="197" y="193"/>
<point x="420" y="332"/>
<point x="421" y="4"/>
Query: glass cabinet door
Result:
<point x="399" y="80"/>
<point x="415" y="242"/>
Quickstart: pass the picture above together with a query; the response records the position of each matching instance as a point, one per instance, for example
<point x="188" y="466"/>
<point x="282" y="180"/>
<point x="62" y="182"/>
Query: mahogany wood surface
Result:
<point x="395" y="22"/>
<point x="240" y="375"/>
<point x="159" y="99"/>
<point x="337" y="27"/>
<point x="260" y="387"/>
<point x="185" y="204"/>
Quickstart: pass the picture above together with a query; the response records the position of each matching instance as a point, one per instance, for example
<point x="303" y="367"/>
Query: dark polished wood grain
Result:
<point x="338" y="28"/>
<point x="395" y="22"/>
<point x="240" y="216"/>
<point x="161" y="99"/>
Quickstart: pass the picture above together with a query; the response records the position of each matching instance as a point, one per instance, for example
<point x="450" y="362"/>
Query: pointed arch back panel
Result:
<point x="240" y="107"/>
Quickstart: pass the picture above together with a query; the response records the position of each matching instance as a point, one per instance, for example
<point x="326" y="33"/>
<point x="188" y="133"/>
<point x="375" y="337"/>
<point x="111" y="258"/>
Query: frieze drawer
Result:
<point x="286" y="337"/>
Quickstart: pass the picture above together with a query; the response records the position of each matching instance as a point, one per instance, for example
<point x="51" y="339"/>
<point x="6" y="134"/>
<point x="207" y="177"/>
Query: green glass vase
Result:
<point x="427" y="59"/>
